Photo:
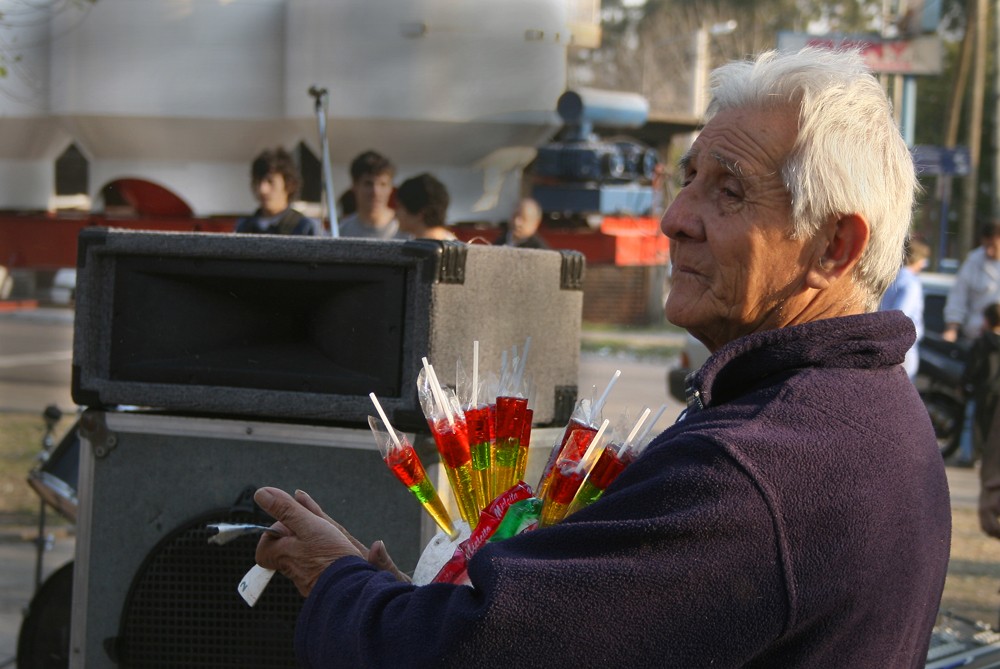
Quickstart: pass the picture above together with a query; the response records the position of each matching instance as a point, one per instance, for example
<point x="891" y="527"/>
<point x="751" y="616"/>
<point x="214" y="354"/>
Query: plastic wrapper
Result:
<point x="454" y="571"/>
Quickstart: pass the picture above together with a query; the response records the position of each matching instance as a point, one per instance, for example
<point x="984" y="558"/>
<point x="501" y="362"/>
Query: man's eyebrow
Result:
<point x="731" y="166"/>
<point x="685" y="161"/>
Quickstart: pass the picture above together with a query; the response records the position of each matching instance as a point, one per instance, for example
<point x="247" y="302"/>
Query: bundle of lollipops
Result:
<point x="482" y="430"/>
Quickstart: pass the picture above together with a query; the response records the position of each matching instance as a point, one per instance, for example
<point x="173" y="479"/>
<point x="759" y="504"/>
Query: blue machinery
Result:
<point x="583" y="174"/>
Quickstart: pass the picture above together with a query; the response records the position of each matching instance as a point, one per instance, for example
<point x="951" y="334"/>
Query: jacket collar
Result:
<point x="865" y="341"/>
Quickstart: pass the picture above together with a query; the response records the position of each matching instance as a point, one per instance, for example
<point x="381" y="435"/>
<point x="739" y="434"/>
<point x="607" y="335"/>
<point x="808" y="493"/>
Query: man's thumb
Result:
<point x="280" y="505"/>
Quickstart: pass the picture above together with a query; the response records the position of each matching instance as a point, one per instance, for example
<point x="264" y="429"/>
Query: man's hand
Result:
<point x="950" y="332"/>
<point x="303" y="554"/>
<point x="377" y="555"/>
<point x="308" y="543"/>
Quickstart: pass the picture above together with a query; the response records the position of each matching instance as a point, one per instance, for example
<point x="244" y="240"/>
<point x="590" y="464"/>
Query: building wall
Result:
<point x="620" y="295"/>
<point x="149" y="89"/>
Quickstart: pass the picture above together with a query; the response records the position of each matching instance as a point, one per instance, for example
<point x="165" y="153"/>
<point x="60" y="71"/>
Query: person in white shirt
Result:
<point x="976" y="286"/>
<point x="372" y="189"/>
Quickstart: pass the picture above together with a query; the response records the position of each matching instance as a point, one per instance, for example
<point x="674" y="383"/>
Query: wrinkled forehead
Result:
<point x="748" y="143"/>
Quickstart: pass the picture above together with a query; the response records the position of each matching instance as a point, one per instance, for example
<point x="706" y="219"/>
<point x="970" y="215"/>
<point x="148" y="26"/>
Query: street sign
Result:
<point x="941" y="160"/>
<point x="917" y="55"/>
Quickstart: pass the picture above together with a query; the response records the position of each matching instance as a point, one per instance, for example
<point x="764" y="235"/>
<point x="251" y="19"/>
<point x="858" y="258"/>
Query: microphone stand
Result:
<point x="320" y="95"/>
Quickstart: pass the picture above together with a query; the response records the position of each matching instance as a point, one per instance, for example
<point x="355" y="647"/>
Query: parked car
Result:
<point x="938" y="379"/>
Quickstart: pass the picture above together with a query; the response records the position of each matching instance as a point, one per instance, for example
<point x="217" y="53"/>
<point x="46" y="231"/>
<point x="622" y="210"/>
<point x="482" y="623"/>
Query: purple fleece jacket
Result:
<point x="798" y="516"/>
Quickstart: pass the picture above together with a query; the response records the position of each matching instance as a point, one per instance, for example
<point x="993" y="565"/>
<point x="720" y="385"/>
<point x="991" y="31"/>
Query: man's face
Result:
<point x="271" y="193"/>
<point x="525" y="221"/>
<point x="734" y="262"/>
<point x="991" y="245"/>
<point x="372" y="192"/>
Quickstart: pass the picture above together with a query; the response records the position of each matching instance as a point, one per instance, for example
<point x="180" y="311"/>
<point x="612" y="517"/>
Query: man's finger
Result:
<point x="307" y="501"/>
<point x="281" y="506"/>
<point x="378" y="557"/>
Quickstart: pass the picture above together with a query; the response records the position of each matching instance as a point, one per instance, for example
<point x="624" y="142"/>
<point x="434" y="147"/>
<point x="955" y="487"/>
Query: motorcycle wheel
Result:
<point x="947" y="416"/>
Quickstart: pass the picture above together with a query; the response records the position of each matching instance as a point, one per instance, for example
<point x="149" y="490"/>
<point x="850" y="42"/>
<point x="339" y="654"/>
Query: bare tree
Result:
<point x="654" y="50"/>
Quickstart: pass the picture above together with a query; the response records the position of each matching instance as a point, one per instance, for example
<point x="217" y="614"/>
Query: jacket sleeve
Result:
<point x="655" y="568"/>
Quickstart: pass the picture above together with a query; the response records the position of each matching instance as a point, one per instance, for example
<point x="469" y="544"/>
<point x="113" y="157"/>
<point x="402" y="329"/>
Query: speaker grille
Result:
<point x="183" y="609"/>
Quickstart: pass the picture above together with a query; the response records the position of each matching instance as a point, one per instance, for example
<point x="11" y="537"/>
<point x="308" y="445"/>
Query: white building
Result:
<point x="184" y="93"/>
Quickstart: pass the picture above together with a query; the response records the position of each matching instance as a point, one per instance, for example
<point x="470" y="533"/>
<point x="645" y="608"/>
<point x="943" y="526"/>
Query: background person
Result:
<point x="906" y="294"/>
<point x="989" y="481"/>
<point x="792" y="517"/>
<point x="977" y="285"/>
<point x="422" y="208"/>
<point x="982" y="374"/>
<point x="522" y="230"/>
<point x="275" y="181"/>
<point x="372" y="216"/>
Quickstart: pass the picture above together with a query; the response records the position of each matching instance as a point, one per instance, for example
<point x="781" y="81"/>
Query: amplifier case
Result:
<point x="143" y="476"/>
<point x="304" y="329"/>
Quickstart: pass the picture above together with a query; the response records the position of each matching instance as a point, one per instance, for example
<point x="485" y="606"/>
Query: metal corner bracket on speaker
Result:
<point x="95" y="430"/>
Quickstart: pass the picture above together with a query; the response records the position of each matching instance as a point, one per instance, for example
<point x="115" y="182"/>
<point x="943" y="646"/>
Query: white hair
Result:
<point x="848" y="157"/>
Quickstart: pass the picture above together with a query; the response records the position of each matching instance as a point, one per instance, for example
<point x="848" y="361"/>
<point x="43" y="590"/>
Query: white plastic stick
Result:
<point x="385" y="419"/>
<point x="638" y="425"/>
<point x="438" y="392"/>
<point x="595" y="410"/>
<point x="592" y="448"/>
<point x="475" y="374"/>
<point x="650" y="424"/>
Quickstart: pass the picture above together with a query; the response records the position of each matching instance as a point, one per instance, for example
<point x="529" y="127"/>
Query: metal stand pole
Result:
<point x="320" y="95"/>
<point x="41" y="544"/>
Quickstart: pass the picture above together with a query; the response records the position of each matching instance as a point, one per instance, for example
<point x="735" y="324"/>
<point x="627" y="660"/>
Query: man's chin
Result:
<point x="678" y="311"/>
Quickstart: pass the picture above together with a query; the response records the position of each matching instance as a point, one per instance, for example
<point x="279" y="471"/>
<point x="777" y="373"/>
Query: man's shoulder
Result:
<point x="973" y="262"/>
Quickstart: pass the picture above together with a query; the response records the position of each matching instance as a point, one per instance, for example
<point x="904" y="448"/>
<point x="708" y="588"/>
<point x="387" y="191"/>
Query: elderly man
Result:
<point x="797" y="515"/>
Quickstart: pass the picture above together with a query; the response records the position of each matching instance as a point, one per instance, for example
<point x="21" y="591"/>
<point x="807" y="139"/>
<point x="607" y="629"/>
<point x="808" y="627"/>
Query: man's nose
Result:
<point x="682" y="220"/>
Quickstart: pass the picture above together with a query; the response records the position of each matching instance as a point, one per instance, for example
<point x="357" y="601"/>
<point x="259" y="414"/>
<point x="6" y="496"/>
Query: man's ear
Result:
<point x="845" y="242"/>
